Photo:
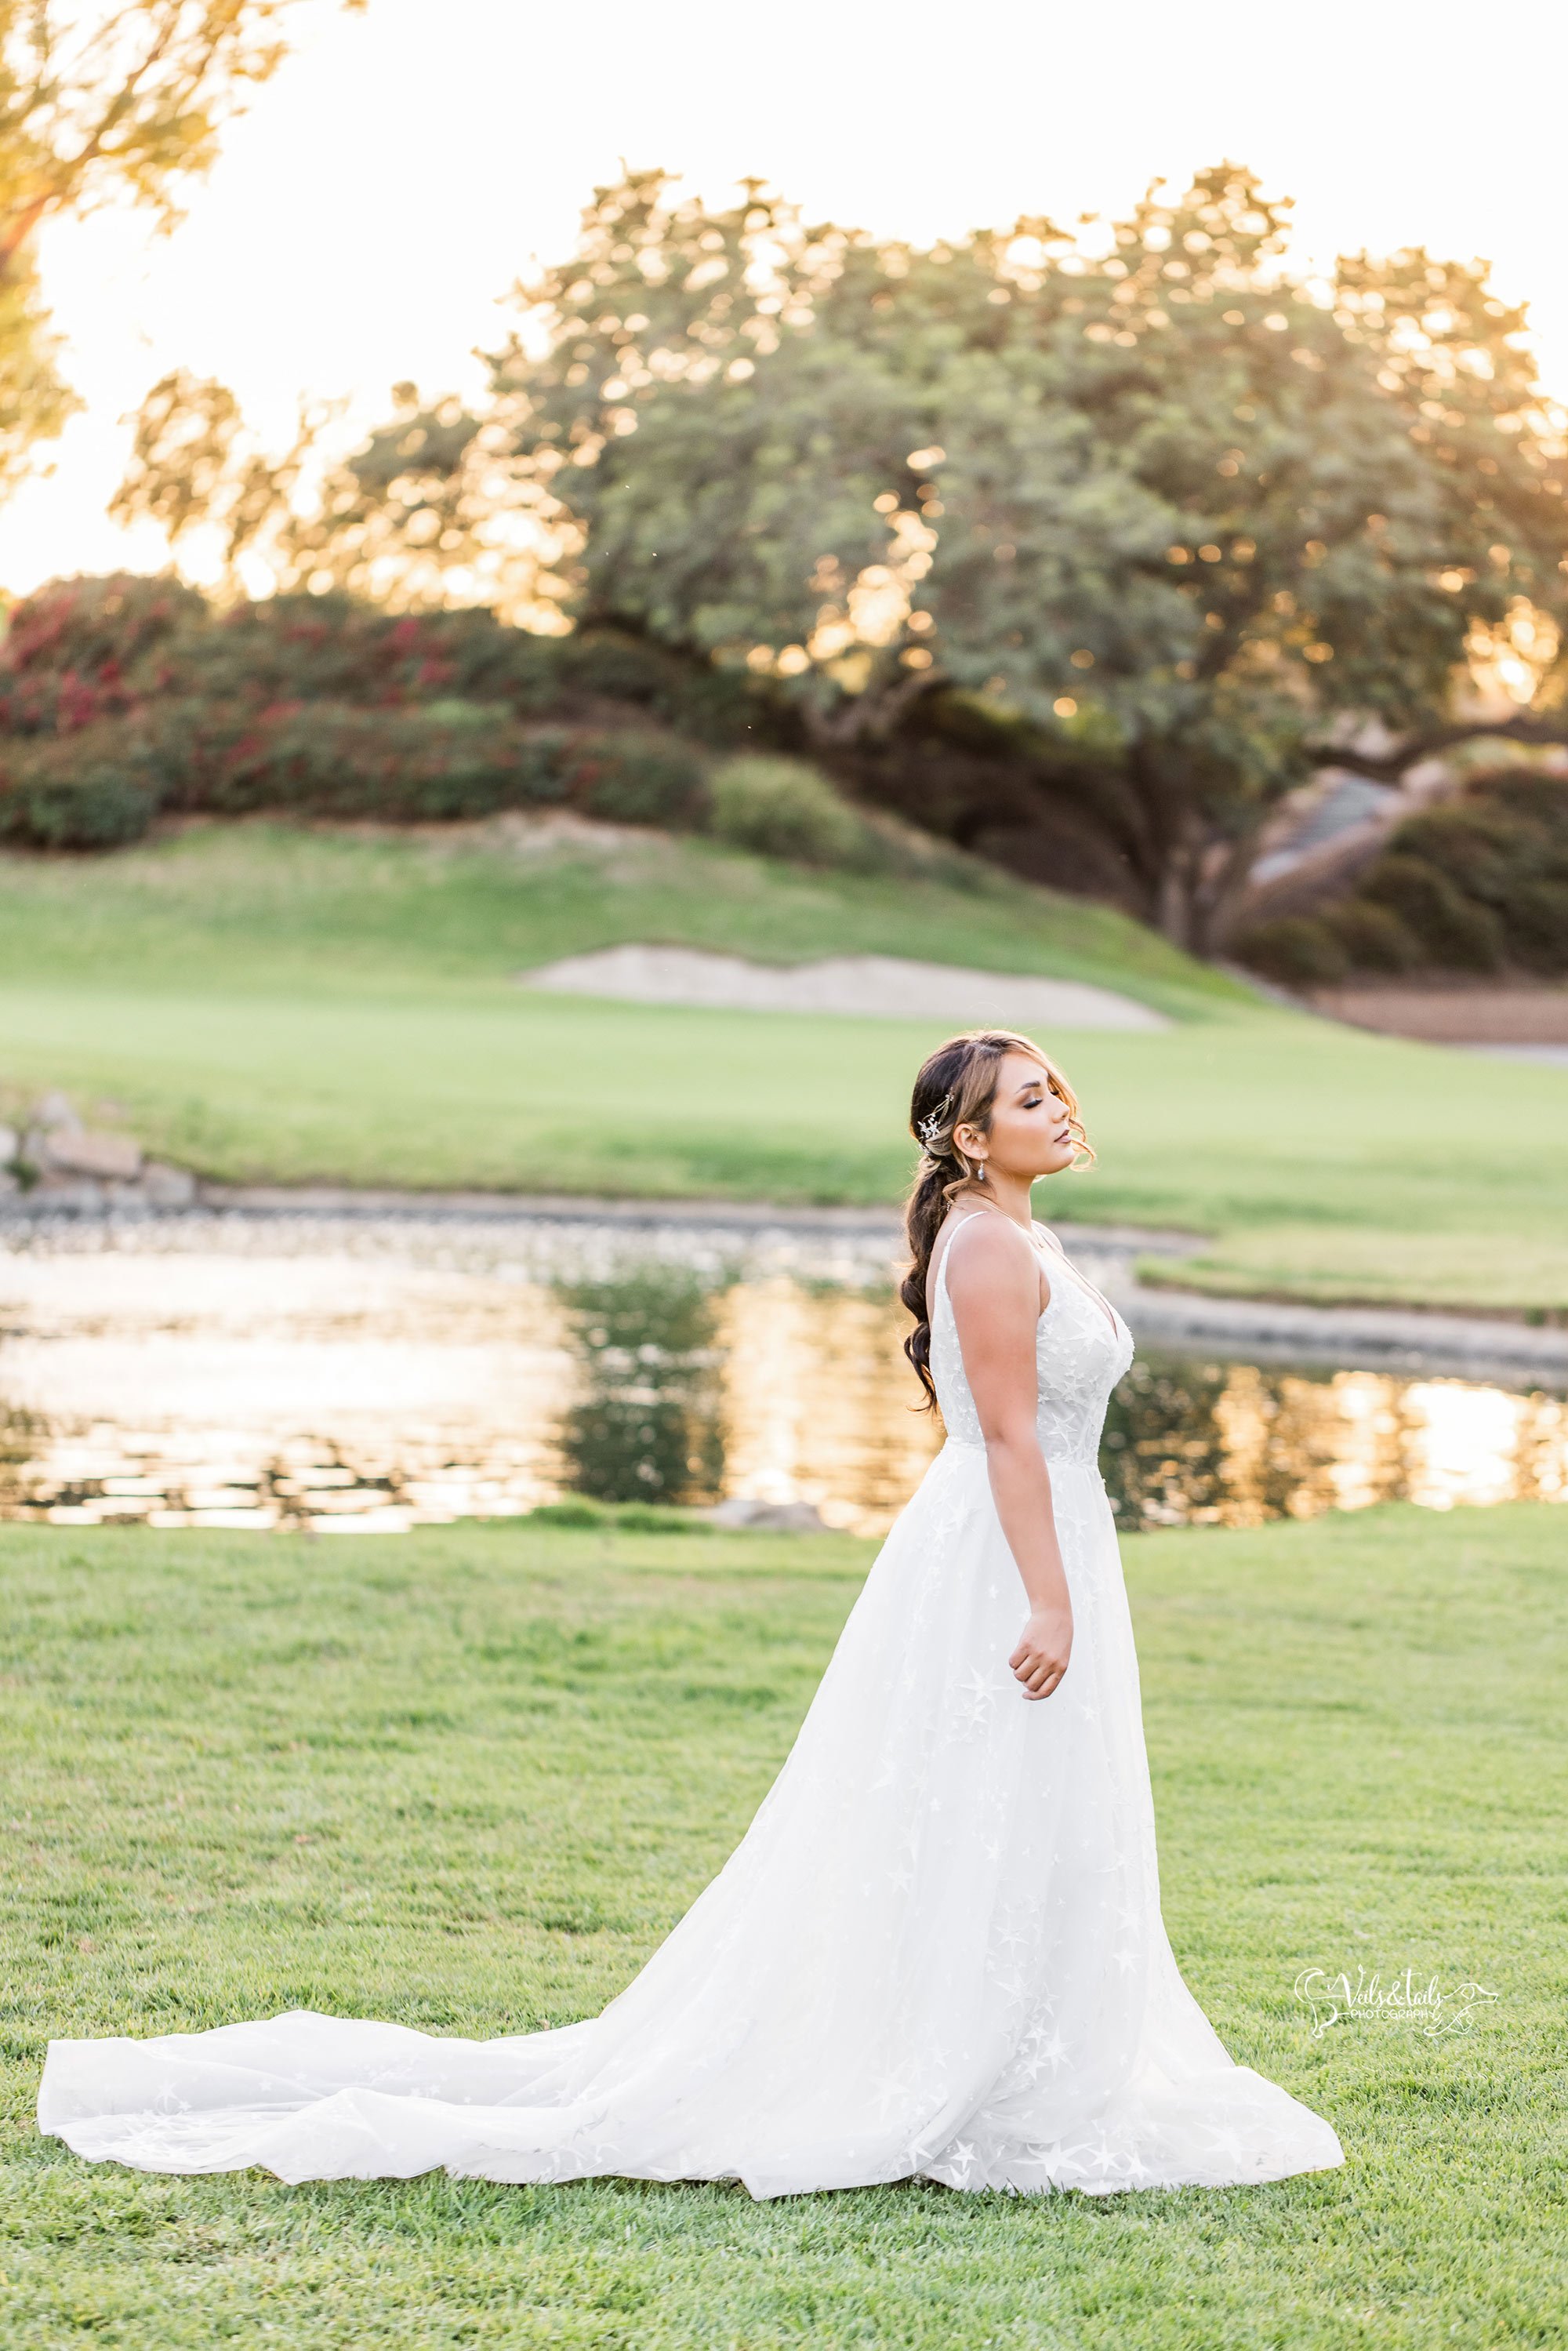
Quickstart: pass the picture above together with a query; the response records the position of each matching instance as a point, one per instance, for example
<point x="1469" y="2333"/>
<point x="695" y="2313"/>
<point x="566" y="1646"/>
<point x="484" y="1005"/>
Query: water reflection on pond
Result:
<point x="373" y="1375"/>
<point x="1232" y="1443"/>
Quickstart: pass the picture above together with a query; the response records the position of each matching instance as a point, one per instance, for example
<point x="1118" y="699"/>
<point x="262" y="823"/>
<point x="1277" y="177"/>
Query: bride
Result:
<point x="937" y="1952"/>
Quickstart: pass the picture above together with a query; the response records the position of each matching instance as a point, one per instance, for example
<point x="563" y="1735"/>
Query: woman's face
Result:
<point x="1028" y="1135"/>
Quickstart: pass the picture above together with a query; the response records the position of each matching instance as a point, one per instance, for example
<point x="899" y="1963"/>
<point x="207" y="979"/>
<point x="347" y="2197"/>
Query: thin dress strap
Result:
<point x="973" y="1216"/>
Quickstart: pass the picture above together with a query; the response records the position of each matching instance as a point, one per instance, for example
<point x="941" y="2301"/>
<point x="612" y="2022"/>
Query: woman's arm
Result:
<point x="994" y="1285"/>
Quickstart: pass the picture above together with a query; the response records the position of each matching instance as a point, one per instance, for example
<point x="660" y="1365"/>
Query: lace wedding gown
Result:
<point x="937" y="1951"/>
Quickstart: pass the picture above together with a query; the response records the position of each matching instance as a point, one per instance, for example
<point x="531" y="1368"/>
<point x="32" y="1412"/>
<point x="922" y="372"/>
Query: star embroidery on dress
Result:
<point x="891" y="2090"/>
<point x="980" y="1690"/>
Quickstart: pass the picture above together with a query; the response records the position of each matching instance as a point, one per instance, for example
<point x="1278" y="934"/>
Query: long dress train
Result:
<point x="937" y="1952"/>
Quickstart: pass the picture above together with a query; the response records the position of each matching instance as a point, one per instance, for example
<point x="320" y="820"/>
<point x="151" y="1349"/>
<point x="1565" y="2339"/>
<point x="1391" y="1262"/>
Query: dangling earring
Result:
<point x="979" y="1171"/>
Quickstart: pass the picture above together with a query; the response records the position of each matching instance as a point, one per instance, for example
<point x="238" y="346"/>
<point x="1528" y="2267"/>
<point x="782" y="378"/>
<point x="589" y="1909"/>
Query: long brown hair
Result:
<point x="956" y="1087"/>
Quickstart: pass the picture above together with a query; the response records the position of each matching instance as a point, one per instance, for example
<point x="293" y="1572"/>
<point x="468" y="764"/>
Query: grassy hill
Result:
<point x="268" y="1003"/>
<point x="272" y="906"/>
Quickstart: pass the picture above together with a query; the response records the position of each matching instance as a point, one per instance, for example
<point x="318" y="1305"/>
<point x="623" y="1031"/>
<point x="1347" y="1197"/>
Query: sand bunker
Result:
<point x="880" y="987"/>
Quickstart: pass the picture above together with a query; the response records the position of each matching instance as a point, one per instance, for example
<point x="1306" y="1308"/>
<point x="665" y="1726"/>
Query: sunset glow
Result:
<point x="331" y="266"/>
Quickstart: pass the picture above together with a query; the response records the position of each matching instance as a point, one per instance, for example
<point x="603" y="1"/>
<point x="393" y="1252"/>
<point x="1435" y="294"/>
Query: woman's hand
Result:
<point x="1044" y="1647"/>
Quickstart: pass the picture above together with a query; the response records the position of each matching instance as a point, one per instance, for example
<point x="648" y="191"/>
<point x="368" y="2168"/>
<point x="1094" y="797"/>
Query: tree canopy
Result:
<point x="1156" y="518"/>
<point x="100" y="101"/>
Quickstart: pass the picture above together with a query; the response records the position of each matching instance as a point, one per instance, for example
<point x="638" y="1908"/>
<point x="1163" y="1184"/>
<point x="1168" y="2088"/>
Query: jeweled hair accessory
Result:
<point x="930" y="1127"/>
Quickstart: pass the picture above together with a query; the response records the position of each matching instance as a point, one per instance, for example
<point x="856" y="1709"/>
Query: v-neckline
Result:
<point x="1082" y="1280"/>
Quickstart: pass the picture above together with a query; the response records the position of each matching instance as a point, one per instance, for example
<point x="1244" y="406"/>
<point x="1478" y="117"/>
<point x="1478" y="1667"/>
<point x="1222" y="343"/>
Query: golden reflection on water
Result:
<point x="819" y="1403"/>
<point x="372" y="1390"/>
<point x="244" y="1392"/>
<point x="1291" y="1445"/>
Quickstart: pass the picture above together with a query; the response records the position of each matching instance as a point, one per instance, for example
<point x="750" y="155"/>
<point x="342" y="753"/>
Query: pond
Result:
<point x="373" y="1372"/>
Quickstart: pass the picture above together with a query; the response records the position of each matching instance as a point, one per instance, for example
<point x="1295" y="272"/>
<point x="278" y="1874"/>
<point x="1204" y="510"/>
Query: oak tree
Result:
<point x="1167" y="521"/>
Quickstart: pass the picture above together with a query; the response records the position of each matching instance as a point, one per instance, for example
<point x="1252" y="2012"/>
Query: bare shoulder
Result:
<point x="990" y="1257"/>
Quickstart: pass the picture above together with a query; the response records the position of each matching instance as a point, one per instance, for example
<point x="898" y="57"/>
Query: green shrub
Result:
<point x="451" y="759"/>
<point x="97" y="812"/>
<point x="92" y="790"/>
<point x="781" y="808"/>
<point x="1538" y="925"/>
<point x="1373" y="937"/>
<point x="1485" y="852"/>
<point x="628" y="780"/>
<point x="579" y="1510"/>
<point x="1534" y="798"/>
<point x="1456" y="933"/>
<point x="99" y="809"/>
<point x="81" y="642"/>
<point x="403" y="765"/>
<point x="115" y="640"/>
<point x="332" y="759"/>
<point x="1473" y="884"/>
<point x="660" y="1518"/>
<point x="1295" y="950"/>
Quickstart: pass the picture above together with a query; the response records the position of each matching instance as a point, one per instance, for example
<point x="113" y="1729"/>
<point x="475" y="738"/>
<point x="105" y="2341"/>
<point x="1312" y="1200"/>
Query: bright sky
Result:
<point x="391" y="183"/>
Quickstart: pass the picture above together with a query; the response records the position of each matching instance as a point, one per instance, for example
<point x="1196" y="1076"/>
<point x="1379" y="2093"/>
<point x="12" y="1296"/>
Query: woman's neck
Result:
<point x="1010" y="1194"/>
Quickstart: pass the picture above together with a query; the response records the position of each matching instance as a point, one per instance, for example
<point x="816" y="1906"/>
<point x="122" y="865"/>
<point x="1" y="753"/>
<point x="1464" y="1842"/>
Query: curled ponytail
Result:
<point x="956" y="1087"/>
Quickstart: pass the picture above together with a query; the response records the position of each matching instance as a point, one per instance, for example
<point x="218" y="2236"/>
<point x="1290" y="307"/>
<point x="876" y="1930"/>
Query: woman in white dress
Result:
<point x="937" y="1952"/>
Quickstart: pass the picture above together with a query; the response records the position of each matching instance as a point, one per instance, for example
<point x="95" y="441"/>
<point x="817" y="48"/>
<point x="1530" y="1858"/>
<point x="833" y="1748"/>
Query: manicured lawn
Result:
<point x="265" y="1005"/>
<point x="467" y="1780"/>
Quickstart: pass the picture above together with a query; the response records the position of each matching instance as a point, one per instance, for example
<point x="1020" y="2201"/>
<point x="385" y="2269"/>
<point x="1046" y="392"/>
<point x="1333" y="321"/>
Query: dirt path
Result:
<point x="1476" y="1015"/>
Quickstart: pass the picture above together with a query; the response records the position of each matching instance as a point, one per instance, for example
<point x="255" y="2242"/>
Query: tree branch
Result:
<point x="865" y="716"/>
<point x="1389" y="767"/>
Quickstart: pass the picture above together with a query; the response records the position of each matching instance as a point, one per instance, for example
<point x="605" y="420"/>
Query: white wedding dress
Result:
<point x="937" y="1952"/>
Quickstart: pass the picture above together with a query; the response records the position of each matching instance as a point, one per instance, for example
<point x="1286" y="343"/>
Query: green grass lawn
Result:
<point x="264" y="1005"/>
<point x="467" y="1779"/>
